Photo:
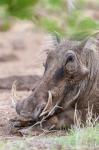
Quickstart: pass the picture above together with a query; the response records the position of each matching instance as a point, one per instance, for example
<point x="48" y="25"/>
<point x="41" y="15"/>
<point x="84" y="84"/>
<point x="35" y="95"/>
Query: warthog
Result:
<point x="71" y="78"/>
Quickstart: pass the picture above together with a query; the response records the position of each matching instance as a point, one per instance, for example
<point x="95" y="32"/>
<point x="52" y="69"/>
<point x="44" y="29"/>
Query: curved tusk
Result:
<point x="43" y="113"/>
<point x="13" y="94"/>
<point x="73" y="99"/>
<point x="48" y="105"/>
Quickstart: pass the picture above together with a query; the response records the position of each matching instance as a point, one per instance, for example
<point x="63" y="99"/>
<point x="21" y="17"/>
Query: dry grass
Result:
<point x="77" y="138"/>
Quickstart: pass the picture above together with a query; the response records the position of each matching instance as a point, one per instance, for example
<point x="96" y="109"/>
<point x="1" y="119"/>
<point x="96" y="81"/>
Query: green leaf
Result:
<point x="51" y="25"/>
<point x="55" y="2"/>
<point x="19" y="8"/>
<point x="88" y="23"/>
<point x="17" y="5"/>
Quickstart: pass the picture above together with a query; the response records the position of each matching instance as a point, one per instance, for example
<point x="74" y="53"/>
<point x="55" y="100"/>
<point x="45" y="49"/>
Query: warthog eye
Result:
<point x="70" y="61"/>
<point x="70" y="58"/>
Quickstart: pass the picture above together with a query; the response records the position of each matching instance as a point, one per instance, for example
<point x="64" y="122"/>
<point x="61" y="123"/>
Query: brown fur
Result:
<point x="66" y="77"/>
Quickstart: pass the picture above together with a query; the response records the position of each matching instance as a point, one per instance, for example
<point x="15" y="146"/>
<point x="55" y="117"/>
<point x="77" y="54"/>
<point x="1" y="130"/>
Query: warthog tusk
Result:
<point x="43" y="113"/>
<point x="48" y="106"/>
<point x="13" y="95"/>
<point x="73" y="99"/>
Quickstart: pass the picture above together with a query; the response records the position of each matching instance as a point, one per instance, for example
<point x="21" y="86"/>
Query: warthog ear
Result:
<point x="51" y="41"/>
<point x="82" y="44"/>
<point x="56" y="38"/>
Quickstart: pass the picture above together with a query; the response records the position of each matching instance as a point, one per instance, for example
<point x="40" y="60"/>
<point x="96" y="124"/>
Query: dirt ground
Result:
<point x="21" y="53"/>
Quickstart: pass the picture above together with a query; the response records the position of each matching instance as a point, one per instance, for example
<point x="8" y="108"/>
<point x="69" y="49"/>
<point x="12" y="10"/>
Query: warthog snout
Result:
<point x="37" y="111"/>
<point x="31" y="107"/>
<point x="29" y="114"/>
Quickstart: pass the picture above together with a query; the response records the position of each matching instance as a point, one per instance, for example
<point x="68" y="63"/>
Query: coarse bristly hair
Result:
<point x="90" y="86"/>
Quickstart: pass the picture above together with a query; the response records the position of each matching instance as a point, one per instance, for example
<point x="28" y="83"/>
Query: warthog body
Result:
<point x="71" y="78"/>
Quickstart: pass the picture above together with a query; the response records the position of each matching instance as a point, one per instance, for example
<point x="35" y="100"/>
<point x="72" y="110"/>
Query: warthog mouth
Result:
<point x="49" y="108"/>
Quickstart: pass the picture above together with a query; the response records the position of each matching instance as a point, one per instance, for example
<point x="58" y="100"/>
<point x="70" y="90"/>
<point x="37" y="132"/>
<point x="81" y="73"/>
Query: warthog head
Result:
<point x="59" y="86"/>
